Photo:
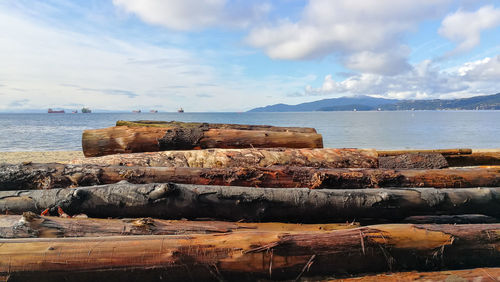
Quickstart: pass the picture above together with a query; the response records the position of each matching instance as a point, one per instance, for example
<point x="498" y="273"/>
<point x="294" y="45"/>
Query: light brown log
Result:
<point x="253" y="255"/>
<point x="212" y="158"/>
<point x="156" y="123"/>
<point x="444" y="152"/>
<point x="477" y="274"/>
<point x="125" y="139"/>
<point x="175" y="201"/>
<point x="48" y="176"/>
<point x="474" y="159"/>
<point x="32" y="225"/>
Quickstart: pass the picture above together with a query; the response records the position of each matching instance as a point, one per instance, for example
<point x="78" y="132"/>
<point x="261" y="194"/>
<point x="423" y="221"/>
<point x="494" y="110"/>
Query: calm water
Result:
<point x="380" y="130"/>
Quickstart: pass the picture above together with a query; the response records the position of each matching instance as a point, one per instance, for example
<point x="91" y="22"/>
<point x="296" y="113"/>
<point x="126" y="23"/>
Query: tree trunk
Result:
<point x="31" y="225"/>
<point x="444" y="152"/>
<point x="252" y="255"/>
<point x="174" y="201"/>
<point x="212" y="158"/>
<point x="48" y="176"/>
<point x="125" y="139"/>
<point x="156" y="123"/>
<point x="476" y="274"/>
<point x="474" y="159"/>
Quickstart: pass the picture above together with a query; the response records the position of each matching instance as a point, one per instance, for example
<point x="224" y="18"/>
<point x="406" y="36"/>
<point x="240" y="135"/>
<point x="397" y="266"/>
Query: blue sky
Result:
<point x="222" y="55"/>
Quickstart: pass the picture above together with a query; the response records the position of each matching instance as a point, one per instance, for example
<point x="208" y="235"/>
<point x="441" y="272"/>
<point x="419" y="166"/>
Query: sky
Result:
<point x="232" y="56"/>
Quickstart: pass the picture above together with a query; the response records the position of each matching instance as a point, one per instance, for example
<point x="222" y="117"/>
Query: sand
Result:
<point x="39" y="157"/>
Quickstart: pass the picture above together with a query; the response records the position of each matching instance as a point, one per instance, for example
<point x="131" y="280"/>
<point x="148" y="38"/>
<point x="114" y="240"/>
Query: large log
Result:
<point x="252" y="255"/>
<point x="413" y="160"/>
<point x="125" y="139"/>
<point x="477" y="274"/>
<point x="31" y="225"/>
<point x="212" y="158"/>
<point x="48" y="176"/>
<point x="156" y="123"/>
<point x="474" y="159"/>
<point x="444" y="152"/>
<point x="174" y="201"/>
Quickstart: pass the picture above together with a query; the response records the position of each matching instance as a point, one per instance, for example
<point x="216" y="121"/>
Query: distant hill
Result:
<point x="366" y="103"/>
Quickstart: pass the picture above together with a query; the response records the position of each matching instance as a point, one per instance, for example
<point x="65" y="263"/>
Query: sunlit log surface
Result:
<point x="47" y="176"/>
<point x="252" y="255"/>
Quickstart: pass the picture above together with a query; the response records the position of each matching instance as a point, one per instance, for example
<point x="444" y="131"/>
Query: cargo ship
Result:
<point x="180" y="110"/>
<point x="153" y="111"/>
<point x="136" y="111"/>
<point x="51" y="111"/>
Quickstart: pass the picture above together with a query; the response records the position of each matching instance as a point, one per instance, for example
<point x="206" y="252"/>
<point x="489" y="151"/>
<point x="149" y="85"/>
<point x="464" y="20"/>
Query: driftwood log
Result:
<point x="211" y="158"/>
<point x="169" y="124"/>
<point x="175" y="201"/>
<point x="477" y="274"/>
<point x="413" y="160"/>
<point x="48" y="176"/>
<point x="252" y="255"/>
<point x="32" y="225"/>
<point x="125" y="139"/>
<point x="444" y="152"/>
<point x="474" y="159"/>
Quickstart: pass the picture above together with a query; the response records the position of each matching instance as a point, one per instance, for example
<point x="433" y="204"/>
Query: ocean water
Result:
<point x="380" y="130"/>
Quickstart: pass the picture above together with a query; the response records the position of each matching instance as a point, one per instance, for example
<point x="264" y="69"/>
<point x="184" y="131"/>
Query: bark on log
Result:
<point x="413" y="161"/>
<point x="212" y="158"/>
<point x="474" y="159"/>
<point x="156" y="123"/>
<point x="175" y="201"/>
<point x="253" y="255"/>
<point x="444" y="152"/>
<point x="451" y="219"/>
<point x="48" y="176"/>
<point x="477" y="274"/>
<point x="31" y="225"/>
<point x="125" y="139"/>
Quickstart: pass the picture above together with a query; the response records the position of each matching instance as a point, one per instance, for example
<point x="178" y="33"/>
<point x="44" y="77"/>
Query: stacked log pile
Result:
<point x="197" y="201"/>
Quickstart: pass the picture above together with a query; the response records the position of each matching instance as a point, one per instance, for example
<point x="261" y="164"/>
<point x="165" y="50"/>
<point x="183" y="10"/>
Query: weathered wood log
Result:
<point x="413" y="160"/>
<point x="32" y="225"/>
<point x="476" y="274"/>
<point x="175" y="201"/>
<point x="451" y="219"/>
<point x="253" y="255"/>
<point x="444" y="152"/>
<point x="211" y="158"/>
<point x="48" y="176"/>
<point x="125" y="139"/>
<point x="474" y="159"/>
<point x="157" y="123"/>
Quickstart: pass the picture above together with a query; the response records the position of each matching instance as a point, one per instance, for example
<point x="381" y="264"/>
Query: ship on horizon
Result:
<point x="180" y="110"/>
<point x="136" y="111"/>
<point x="51" y="111"/>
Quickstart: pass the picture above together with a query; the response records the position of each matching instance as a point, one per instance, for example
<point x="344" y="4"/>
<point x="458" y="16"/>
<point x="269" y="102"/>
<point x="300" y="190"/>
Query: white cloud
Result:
<point x="366" y="34"/>
<point x="424" y="81"/>
<point x="465" y="27"/>
<point x="193" y="14"/>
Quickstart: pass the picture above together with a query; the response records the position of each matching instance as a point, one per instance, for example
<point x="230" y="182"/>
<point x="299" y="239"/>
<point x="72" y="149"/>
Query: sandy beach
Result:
<point x="39" y="157"/>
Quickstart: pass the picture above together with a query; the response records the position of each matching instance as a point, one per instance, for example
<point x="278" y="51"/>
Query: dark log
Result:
<point x="252" y="255"/>
<point x="451" y="219"/>
<point x="212" y="158"/>
<point x="444" y="152"/>
<point x="31" y="225"/>
<point x="475" y="159"/>
<point x="48" y="176"/>
<point x="413" y="161"/>
<point x="157" y="123"/>
<point x="175" y="201"/>
<point x="477" y="274"/>
<point x="125" y="139"/>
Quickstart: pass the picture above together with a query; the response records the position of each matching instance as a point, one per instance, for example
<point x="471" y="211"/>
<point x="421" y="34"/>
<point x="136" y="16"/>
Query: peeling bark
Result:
<point x="174" y="201"/>
<point x="125" y="139"/>
<point x="48" y="176"/>
<point x="253" y="255"/>
<point x="30" y="225"/>
<point x="212" y="158"/>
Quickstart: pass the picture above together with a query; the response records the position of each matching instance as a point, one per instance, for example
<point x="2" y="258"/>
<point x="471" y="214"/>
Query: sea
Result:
<point x="362" y="129"/>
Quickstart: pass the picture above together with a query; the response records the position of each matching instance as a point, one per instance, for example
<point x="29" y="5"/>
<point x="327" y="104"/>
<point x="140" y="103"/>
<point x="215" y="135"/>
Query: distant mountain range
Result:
<point x="366" y="103"/>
